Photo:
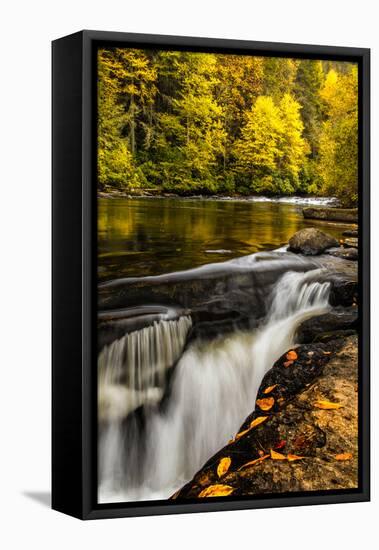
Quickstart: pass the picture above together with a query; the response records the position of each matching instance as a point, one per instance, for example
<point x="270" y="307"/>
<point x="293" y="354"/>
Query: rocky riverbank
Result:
<point x="302" y="435"/>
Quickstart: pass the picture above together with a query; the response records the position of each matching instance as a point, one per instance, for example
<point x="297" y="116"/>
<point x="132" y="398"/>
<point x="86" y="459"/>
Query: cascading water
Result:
<point x="213" y="390"/>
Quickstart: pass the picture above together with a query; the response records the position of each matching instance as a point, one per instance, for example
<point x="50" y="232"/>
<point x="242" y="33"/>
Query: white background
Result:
<point x="26" y="31"/>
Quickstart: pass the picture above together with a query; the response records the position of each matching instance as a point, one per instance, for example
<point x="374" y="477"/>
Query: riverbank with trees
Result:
<point x="205" y="124"/>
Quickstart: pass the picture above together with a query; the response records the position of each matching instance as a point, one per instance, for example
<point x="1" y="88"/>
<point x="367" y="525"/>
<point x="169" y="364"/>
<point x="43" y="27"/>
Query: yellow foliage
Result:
<point x="252" y="425"/>
<point x="223" y="466"/>
<point x="327" y="405"/>
<point x="344" y="456"/>
<point x="216" y="491"/>
<point x="277" y="456"/>
<point x="270" y="389"/>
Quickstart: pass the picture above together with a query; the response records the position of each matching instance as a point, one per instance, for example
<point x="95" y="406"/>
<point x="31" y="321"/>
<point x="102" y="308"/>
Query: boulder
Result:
<point x="311" y="242"/>
<point x="349" y="215"/>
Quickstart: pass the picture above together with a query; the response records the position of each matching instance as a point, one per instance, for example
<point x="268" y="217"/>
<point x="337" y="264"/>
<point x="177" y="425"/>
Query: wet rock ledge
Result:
<point x="303" y="433"/>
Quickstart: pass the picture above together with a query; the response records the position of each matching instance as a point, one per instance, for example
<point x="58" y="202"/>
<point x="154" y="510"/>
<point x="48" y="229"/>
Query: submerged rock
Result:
<point x="304" y="439"/>
<point x="311" y="242"/>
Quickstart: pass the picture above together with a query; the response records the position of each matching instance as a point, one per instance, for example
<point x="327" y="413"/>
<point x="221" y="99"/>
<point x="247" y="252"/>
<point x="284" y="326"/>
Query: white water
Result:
<point x="213" y="391"/>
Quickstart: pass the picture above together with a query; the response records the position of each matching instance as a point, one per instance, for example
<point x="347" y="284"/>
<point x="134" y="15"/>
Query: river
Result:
<point x="150" y="236"/>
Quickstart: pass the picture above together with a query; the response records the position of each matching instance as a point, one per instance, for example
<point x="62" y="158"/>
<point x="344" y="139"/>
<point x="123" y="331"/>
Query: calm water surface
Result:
<point x="144" y="236"/>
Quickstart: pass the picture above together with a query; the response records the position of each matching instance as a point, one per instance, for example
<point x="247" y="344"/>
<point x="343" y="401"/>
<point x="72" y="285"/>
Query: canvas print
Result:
<point x="227" y="256"/>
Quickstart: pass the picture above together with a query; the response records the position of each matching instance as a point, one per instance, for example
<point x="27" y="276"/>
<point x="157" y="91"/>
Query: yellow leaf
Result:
<point x="277" y="456"/>
<point x="252" y="462"/>
<point x="291" y="355"/>
<point x="344" y="456"/>
<point x="269" y="389"/>
<point x="252" y="425"/>
<point x="216" y="491"/>
<point x="266" y="403"/>
<point x="292" y="458"/>
<point x="258" y="421"/>
<point x="327" y="405"/>
<point x="223" y="466"/>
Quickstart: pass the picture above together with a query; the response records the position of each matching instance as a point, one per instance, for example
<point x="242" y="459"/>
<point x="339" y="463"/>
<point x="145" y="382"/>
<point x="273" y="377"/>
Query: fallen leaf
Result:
<point x="269" y="389"/>
<point x="223" y="466"/>
<point x="216" y="491"/>
<point x="280" y="444"/>
<point x="252" y="425"/>
<point x="292" y="458"/>
<point x="327" y="352"/>
<point x="344" y="456"/>
<point x="261" y="453"/>
<point x="291" y="355"/>
<point x="277" y="456"/>
<point x="258" y="421"/>
<point x="252" y="462"/>
<point x="266" y="403"/>
<point x="327" y="405"/>
<point x="310" y="353"/>
<point x="287" y="364"/>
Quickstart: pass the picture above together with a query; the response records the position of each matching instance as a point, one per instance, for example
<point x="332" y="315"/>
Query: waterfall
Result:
<point x="213" y="390"/>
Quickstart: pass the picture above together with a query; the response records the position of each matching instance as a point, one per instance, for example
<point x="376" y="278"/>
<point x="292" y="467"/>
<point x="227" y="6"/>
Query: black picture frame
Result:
<point x="74" y="430"/>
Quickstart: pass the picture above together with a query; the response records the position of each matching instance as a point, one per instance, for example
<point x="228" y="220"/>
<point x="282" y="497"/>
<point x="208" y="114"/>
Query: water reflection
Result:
<point x="153" y="236"/>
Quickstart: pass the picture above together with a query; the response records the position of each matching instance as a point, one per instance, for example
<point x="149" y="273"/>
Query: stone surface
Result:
<point x="295" y="426"/>
<point x="345" y="253"/>
<point x="349" y="215"/>
<point x="335" y="321"/>
<point x="311" y="242"/>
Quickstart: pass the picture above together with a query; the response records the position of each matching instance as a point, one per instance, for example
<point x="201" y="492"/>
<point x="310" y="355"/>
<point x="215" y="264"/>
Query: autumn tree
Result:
<point x="339" y="136"/>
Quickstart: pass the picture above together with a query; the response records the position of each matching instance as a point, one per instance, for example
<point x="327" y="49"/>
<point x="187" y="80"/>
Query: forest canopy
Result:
<point x="202" y="123"/>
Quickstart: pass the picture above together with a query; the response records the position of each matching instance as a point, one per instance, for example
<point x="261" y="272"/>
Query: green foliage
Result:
<point x="199" y="123"/>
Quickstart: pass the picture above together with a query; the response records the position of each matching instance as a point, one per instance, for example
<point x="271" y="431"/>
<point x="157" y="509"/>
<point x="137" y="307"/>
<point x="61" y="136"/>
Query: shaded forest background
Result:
<point x="199" y="123"/>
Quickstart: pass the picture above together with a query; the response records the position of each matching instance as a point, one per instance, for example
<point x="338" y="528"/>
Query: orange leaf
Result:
<point x="292" y="458"/>
<point x="252" y="425"/>
<point x="344" y="456"/>
<point x="252" y="462"/>
<point x="258" y="421"/>
<point x="269" y="389"/>
<point x="327" y="405"/>
<point x="266" y="403"/>
<point x="277" y="456"/>
<point x="287" y="364"/>
<point x="291" y="355"/>
<point x="216" y="491"/>
<point x="223" y="466"/>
